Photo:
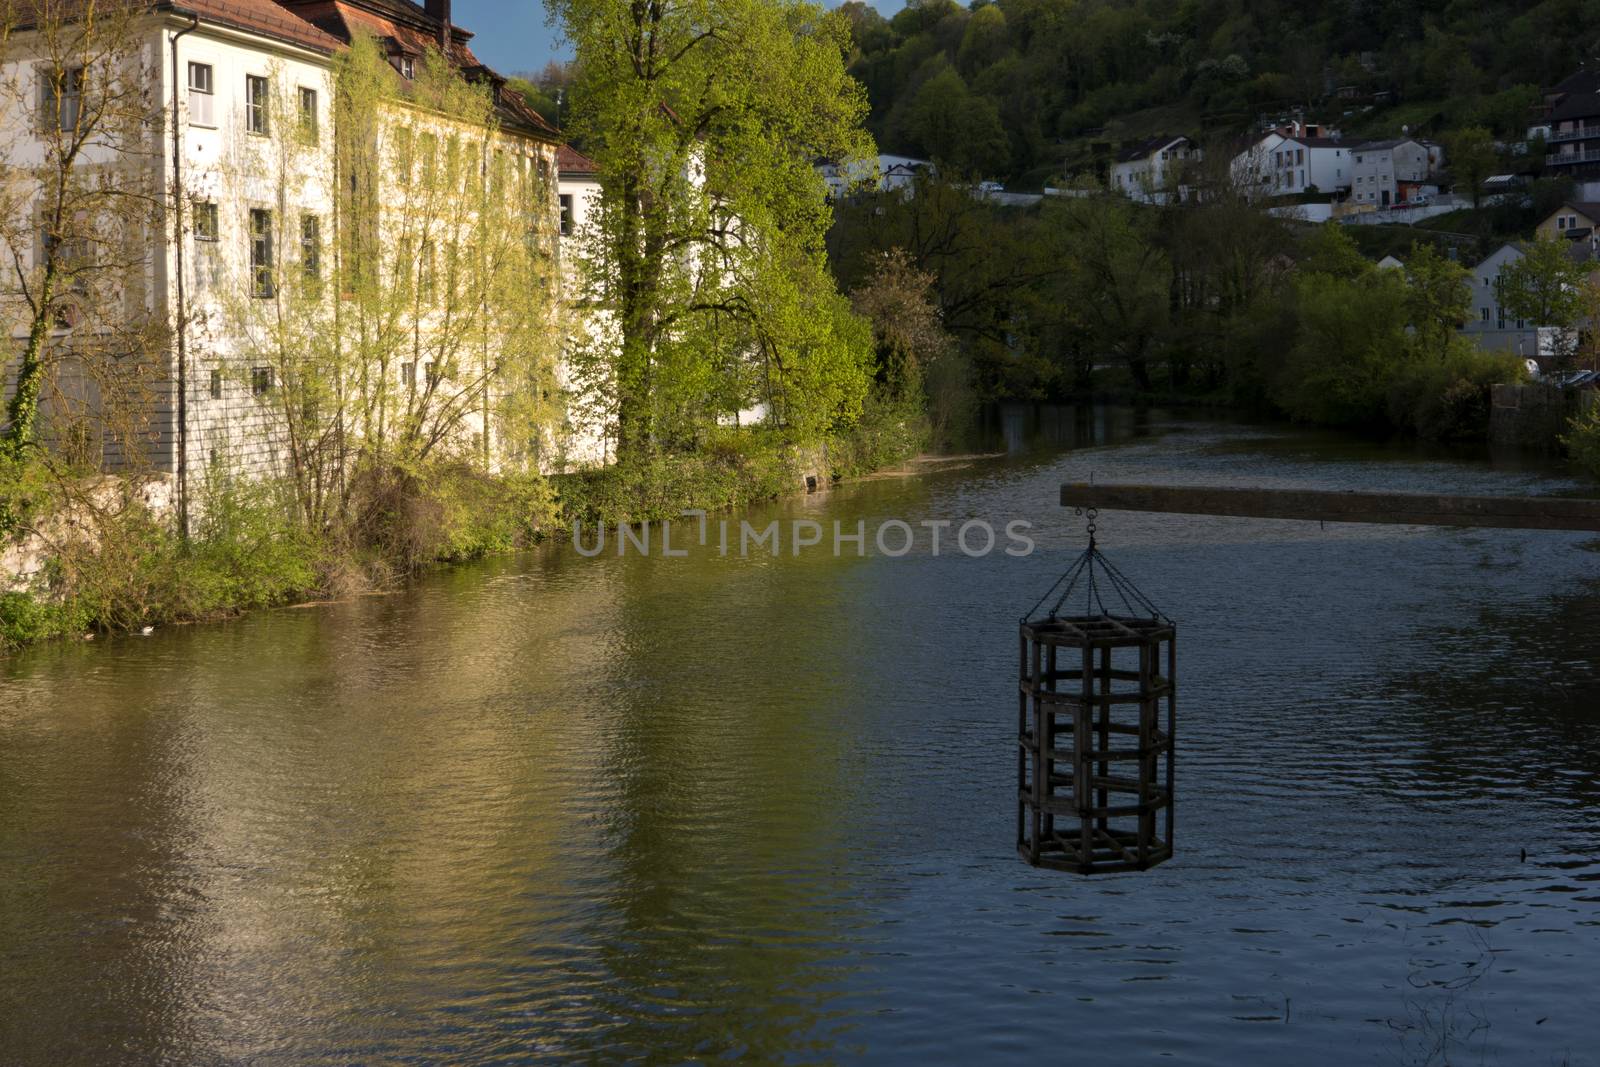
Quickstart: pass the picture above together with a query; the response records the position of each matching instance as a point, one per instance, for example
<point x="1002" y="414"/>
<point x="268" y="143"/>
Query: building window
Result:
<point x="262" y="381"/>
<point x="255" y="104"/>
<point x="60" y="98"/>
<point x="311" y="247"/>
<point x="426" y="275"/>
<point x="408" y="376"/>
<point x="201" y="98"/>
<point x="308" y="113"/>
<point x="430" y="373"/>
<point x="205" y="220"/>
<point x="1484" y="314"/>
<point x="1561" y="222"/>
<point x="408" y="67"/>
<point x="261" y="280"/>
<point x="566" y="214"/>
<point x="402" y="154"/>
<point x="216" y="385"/>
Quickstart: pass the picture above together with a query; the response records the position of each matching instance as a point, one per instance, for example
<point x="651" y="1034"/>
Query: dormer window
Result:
<point x="408" y="68"/>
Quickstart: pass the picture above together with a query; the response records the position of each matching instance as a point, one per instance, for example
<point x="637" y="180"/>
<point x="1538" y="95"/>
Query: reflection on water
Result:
<point x="1019" y="428"/>
<point x="553" y="806"/>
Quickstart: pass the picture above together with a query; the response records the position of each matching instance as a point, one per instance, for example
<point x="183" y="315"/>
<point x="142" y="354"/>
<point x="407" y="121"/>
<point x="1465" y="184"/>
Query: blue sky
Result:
<point x="511" y="35"/>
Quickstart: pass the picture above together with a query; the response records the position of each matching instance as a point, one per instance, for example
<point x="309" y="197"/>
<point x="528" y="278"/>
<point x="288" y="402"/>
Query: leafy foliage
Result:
<point x="705" y="260"/>
<point x="1057" y="70"/>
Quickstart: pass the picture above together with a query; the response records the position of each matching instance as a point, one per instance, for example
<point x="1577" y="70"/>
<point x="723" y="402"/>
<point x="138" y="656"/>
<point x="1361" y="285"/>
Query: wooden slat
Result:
<point x="1412" y="509"/>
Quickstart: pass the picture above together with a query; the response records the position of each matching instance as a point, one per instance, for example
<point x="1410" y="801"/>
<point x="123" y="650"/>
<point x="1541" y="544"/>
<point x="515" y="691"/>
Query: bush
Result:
<point x="405" y="518"/>
<point x="1583" y="440"/>
<point x="731" y="467"/>
<point x="890" y="430"/>
<point x="1448" y="400"/>
<point x="25" y="619"/>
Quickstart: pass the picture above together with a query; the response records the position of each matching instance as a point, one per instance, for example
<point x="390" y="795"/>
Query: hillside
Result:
<point x="1027" y="88"/>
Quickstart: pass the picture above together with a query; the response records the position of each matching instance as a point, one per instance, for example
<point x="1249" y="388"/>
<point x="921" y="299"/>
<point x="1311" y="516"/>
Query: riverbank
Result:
<point x="110" y="561"/>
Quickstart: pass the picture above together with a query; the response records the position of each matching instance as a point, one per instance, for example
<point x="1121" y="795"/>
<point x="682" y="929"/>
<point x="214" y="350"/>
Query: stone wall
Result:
<point x="1534" y="415"/>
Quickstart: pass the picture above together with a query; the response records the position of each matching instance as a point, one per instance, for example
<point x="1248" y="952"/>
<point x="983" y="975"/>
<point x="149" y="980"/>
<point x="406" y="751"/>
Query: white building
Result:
<point x="1152" y="170"/>
<point x="584" y="442"/>
<point x="883" y="173"/>
<point x="1308" y="164"/>
<point x="1394" y="172"/>
<point x="1488" y="324"/>
<point x="1292" y="159"/>
<point x="244" y="102"/>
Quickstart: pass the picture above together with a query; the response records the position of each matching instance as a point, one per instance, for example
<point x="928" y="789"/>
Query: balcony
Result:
<point x="1582" y="133"/>
<point x="1556" y="159"/>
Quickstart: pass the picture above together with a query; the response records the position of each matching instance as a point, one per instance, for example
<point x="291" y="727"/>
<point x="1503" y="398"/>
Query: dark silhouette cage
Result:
<point x="1097" y="706"/>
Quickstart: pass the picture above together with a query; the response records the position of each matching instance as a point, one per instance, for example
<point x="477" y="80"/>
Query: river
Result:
<point x="691" y="808"/>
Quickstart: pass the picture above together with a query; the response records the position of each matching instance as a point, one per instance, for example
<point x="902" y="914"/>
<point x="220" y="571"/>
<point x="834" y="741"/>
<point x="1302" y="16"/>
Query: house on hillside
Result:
<point x="1153" y="170"/>
<point x="1488" y="324"/>
<point x="1292" y="159"/>
<point x="1570" y="118"/>
<point x="1387" y="173"/>
<point x="885" y="173"/>
<point x="246" y="137"/>
<point x="1491" y="325"/>
<point x="1572" y="220"/>
<point x="1311" y="164"/>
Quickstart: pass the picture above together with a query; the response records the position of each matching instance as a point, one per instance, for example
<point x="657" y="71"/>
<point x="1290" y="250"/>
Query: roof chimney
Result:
<point x="440" y="10"/>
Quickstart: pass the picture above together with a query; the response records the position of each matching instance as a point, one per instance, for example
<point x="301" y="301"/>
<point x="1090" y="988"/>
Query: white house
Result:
<point x="1309" y="164"/>
<point x="1151" y="170"/>
<point x="1488" y="324"/>
<point x="884" y="173"/>
<point x="577" y="193"/>
<point x="1292" y="159"/>
<point x="1394" y="172"/>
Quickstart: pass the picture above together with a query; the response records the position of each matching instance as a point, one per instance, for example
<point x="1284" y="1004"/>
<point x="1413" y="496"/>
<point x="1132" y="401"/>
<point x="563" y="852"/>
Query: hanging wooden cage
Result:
<point x="1097" y="704"/>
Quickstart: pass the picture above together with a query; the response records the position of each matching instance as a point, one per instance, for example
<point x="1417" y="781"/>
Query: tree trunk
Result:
<point x="23" y="411"/>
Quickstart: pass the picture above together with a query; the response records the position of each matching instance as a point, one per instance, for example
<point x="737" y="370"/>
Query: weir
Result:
<point x="1411" y="509"/>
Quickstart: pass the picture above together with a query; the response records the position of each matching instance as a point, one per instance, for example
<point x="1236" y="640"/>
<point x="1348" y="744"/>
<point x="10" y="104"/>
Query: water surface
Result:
<point x="698" y="808"/>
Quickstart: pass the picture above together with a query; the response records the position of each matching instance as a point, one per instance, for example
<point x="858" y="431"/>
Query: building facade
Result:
<point x="1574" y="220"/>
<point x="1488" y="323"/>
<point x="258" y="221"/>
<point x="1153" y="170"/>
<point x="1569" y="119"/>
<point x="1393" y="172"/>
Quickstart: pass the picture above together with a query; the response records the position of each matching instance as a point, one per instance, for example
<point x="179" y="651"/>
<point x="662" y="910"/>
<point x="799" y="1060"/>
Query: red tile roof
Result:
<point x="265" y="17"/>
<point x="410" y="29"/>
<point x="571" y="161"/>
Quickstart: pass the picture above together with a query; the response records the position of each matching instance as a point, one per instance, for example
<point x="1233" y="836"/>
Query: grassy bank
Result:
<point x="109" y="563"/>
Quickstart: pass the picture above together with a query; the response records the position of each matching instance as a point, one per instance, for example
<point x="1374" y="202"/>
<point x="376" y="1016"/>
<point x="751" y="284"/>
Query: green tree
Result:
<point x="1350" y="332"/>
<point x="1472" y="158"/>
<point x="1119" y="278"/>
<point x="986" y="40"/>
<point x="707" y="249"/>
<point x="1542" y="285"/>
<point x="960" y="131"/>
<point x="1438" y="298"/>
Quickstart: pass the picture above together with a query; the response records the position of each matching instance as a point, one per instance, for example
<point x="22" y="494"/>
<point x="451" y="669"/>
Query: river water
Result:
<point x="703" y="807"/>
